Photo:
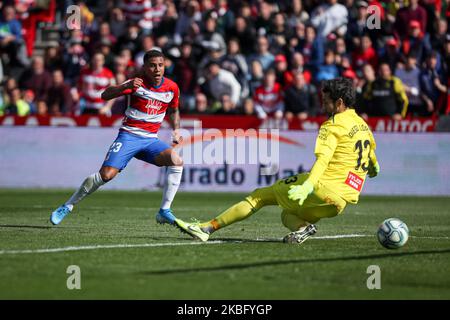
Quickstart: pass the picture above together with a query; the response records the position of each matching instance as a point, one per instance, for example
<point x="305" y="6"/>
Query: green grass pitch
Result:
<point x="162" y="263"/>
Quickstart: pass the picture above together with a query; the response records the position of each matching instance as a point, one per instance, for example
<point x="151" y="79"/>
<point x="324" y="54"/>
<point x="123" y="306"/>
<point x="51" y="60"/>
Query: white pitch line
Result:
<point x="147" y="245"/>
<point x="173" y="244"/>
<point x="108" y="246"/>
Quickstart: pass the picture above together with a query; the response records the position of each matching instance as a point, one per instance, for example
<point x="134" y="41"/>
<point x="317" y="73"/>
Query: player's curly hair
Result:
<point x="340" y="88"/>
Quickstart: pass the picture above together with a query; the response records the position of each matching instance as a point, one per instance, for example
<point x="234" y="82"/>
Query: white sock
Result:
<point x="171" y="184"/>
<point x="89" y="185"/>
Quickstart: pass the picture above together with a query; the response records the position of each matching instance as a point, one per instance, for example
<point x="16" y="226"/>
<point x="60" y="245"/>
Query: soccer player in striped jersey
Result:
<point x="150" y="97"/>
<point x="345" y="154"/>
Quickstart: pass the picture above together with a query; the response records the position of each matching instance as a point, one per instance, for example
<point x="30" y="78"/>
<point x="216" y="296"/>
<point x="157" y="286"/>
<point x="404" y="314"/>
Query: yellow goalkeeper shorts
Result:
<point x="322" y="203"/>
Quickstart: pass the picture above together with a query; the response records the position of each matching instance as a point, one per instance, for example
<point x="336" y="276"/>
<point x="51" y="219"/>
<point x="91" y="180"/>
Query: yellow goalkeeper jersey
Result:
<point x="345" y="147"/>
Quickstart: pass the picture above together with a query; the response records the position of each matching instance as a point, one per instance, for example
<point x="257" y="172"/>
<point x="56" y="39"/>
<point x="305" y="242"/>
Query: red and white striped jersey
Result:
<point x="270" y="100"/>
<point x="91" y="85"/>
<point x="139" y="11"/>
<point x="147" y="107"/>
<point x="158" y="13"/>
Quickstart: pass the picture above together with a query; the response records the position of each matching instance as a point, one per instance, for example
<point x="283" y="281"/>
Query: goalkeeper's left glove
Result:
<point x="374" y="169"/>
<point x="300" y="192"/>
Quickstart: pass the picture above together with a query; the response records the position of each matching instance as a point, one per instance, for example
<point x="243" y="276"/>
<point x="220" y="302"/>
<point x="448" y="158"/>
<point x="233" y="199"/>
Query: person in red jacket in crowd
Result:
<point x="415" y="42"/>
<point x="365" y="54"/>
<point x="269" y="97"/>
<point x="404" y="16"/>
<point x="93" y="81"/>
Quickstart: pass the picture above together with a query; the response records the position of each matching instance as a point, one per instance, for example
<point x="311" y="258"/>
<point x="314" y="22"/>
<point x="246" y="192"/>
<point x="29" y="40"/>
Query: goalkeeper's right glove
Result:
<point x="374" y="169"/>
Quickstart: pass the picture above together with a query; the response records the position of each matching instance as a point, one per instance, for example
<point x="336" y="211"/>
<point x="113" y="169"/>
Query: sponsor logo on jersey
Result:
<point x="354" y="181"/>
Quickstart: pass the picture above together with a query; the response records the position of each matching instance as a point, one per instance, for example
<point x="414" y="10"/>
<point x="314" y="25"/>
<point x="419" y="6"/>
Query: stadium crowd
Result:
<point x="260" y="57"/>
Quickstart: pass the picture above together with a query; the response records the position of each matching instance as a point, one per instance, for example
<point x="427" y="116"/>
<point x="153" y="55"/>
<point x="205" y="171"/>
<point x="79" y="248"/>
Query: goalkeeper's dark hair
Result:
<point x="153" y="53"/>
<point x="340" y="88"/>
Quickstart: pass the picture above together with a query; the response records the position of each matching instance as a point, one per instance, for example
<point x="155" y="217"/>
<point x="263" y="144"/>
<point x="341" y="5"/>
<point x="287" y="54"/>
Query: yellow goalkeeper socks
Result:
<point x="256" y="200"/>
<point x="238" y="212"/>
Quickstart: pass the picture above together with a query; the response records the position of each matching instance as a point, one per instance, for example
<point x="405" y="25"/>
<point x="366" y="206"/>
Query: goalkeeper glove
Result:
<point x="300" y="192"/>
<point x="374" y="169"/>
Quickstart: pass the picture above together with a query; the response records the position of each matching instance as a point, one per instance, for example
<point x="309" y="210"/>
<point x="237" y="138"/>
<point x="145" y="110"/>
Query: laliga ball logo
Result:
<point x="393" y="233"/>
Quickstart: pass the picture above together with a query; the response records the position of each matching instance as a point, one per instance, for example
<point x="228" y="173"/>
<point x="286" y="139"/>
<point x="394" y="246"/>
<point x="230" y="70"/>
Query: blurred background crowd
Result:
<point x="263" y="58"/>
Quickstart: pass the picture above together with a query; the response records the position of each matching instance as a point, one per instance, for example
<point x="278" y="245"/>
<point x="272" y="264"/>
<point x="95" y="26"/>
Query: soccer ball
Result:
<point x="393" y="233"/>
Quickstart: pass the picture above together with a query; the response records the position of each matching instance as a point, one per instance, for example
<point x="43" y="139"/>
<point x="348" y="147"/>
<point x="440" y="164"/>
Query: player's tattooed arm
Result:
<point x="127" y="87"/>
<point x="174" y="119"/>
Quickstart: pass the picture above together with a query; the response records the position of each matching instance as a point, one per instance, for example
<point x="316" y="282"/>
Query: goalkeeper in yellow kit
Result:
<point x="345" y="154"/>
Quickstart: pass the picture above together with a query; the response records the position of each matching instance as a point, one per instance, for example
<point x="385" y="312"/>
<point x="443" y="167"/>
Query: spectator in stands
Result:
<point x="297" y="64"/>
<point x="262" y="22"/>
<point x="407" y="14"/>
<point x="186" y="76"/>
<point x="37" y="79"/>
<point x="386" y="95"/>
<point x="269" y="97"/>
<point x="190" y="15"/>
<point x="284" y="77"/>
<point x="221" y="82"/>
<point x="130" y="40"/>
<point x="358" y="27"/>
<point x="41" y="108"/>
<point x="312" y="49"/>
<point x="301" y="99"/>
<point x="93" y="81"/>
<point x="147" y="44"/>
<point x="105" y="49"/>
<point x="409" y="75"/>
<point x="16" y="105"/>
<point x="235" y="62"/>
<point x="75" y="59"/>
<point x="262" y="53"/>
<point x="140" y="13"/>
<point x="168" y="22"/>
<point x="365" y="53"/>
<point x="330" y="17"/>
<point x="159" y="9"/>
<point x="278" y="33"/>
<point x="118" y="23"/>
<point x="104" y="34"/>
<point x="340" y="48"/>
<point x="53" y="58"/>
<point x="415" y="42"/>
<point x="225" y="17"/>
<point x="59" y="96"/>
<point x="201" y="103"/>
<point x="296" y="14"/>
<point x="329" y="69"/>
<point x="391" y="55"/>
<point x="363" y="106"/>
<point x="210" y="39"/>
<point x="127" y="55"/>
<point x="432" y="82"/>
<point x="225" y="105"/>
<point x="245" y="33"/>
<point x="11" y="42"/>
<point x="256" y="76"/>
<point x="438" y="39"/>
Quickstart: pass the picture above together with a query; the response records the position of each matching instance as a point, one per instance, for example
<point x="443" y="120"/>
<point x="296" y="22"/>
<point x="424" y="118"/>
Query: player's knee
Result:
<point x="291" y="221"/>
<point x="107" y="174"/>
<point x="176" y="159"/>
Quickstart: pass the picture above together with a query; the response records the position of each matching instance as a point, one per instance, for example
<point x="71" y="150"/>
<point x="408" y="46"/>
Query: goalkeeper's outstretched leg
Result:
<point x="258" y="199"/>
<point x="299" y="219"/>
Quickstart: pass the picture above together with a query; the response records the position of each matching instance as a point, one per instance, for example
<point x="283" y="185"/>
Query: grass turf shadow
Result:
<point x="292" y="261"/>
